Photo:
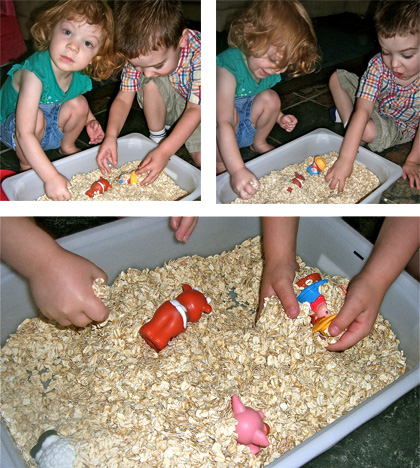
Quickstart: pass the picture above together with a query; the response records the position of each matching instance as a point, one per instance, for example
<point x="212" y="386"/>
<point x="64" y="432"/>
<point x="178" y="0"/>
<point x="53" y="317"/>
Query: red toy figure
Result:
<point x="251" y="429"/>
<point x="297" y="180"/>
<point x="100" y="186"/>
<point x="172" y="317"/>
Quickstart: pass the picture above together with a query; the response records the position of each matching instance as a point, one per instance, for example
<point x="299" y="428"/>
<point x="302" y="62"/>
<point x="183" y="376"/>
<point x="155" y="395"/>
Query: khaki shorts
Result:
<point x="175" y="106"/>
<point x="388" y="133"/>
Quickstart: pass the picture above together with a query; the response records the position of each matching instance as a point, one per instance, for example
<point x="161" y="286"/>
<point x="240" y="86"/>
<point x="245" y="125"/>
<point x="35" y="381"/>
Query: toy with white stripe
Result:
<point x="172" y="317"/>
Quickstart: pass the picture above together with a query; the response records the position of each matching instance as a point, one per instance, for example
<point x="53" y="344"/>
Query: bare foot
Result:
<point x="69" y="150"/>
<point x="262" y="147"/>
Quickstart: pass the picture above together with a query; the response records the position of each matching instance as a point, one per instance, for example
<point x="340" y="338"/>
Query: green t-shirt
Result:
<point x="234" y="61"/>
<point x="40" y="64"/>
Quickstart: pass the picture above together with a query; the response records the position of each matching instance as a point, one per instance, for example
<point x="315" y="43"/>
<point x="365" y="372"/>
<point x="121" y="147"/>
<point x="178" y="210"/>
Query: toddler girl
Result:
<point x="42" y="107"/>
<point x="269" y="38"/>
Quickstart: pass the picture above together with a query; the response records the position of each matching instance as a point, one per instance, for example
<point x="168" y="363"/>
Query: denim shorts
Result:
<point x="246" y="132"/>
<point x="52" y="135"/>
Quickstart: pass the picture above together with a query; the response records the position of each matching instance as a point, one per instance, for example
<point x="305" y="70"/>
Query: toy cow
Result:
<point x="100" y="186"/>
<point x="321" y="317"/>
<point x="172" y="317"/>
<point x="251" y="429"/>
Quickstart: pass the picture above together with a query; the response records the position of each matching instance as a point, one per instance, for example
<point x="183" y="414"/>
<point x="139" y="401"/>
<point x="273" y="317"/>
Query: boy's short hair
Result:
<point x="397" y="18"/>
<point x="282" y="23"/>
<point x="96" y="12"/>
<point x="144" y="26"/>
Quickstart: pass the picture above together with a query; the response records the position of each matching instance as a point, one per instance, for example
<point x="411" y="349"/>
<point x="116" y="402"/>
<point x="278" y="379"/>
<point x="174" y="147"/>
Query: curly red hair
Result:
<point x="95" y="12"/>
<point x="282" y="23"/>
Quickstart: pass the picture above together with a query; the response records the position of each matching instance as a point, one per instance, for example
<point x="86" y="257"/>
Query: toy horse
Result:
<point x="100" y="186"/>
<point x="251" y="429"/>
<point x="172" y="317"/>
<point x="320" y="318"/>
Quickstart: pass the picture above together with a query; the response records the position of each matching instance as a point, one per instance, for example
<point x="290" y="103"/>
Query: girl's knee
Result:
<point x="40" y="125"/>
<point x="76" y="106"/>
<point x="268" y="100"/>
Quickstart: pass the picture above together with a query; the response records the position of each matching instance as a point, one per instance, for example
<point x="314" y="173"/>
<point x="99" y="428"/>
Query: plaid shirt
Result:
<point x="401" y="103"/>
<point x="186" y="79"/>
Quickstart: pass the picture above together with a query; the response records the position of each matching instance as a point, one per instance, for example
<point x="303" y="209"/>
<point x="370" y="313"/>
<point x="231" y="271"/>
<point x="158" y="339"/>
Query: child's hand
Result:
<point x="107" y="154"/>
<point x="95" y="132"/>
<point x="277" y="280"/>
<point x="63" y="291"/>
<point x="241" y="183"/>
<point x="184" y="226"/>
<point x="411" y="171"/>
<point x="338" y="173"/>
<point x="154" y="163"/>
<point x="57" y="188"/>
<point x="359" y="312"/>
<point x="287" y="122"/>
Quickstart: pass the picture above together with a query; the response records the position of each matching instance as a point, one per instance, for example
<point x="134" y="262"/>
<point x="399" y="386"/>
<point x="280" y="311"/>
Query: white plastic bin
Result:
<point x="340" y="250"/>
<point x="27" y="186"/>
<point x="315" y="143"/>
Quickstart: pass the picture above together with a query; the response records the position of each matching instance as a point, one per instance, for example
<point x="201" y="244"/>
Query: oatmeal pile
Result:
<point x="273" y="188"/>
<point x="162" y="189"/>
<point x="122" y="404"/>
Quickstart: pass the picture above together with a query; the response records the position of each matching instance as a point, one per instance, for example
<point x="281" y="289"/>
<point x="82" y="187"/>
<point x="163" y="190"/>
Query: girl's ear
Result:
<point x="184" y="39"/>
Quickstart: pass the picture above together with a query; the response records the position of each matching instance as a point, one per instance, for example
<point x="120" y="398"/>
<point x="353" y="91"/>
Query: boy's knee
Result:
<point x="196" y="157"/>
<point x="334" y="82"/>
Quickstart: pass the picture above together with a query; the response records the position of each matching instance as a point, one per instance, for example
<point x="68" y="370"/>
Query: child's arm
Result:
<point x="118" y="114"/>
<point x="411" y="167"/>
<point x="397" y="242"/>
<point x="280" y="263"/>
<point x="60" y="281"/>
<point x="241" y="177"/>
<point x="157" y="159"/>
<point x="343" y="167"/>
<point x="30" y="89"/>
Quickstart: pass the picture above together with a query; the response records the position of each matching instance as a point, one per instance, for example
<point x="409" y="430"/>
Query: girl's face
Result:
<point x="74" y="43"/>
<point x="402" y="56"/>
<point x="265" y="65"/>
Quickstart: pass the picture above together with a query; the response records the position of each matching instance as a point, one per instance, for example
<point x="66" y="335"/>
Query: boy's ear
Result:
<point x="184" y="38"/>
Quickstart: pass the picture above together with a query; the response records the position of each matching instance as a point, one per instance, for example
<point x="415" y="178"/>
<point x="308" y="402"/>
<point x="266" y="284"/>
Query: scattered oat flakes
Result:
<point x="123" y="405"/>
<point x="162" y="189"/>
<point x="273" y="188"/>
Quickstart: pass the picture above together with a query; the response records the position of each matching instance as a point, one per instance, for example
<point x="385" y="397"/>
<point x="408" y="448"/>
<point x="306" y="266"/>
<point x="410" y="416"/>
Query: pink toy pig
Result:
<point x="171" y="318"/>
<point x="251" y="429"/>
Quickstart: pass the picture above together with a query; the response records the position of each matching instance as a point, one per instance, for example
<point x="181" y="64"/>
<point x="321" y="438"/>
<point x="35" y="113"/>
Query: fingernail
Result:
<point x="334" y="330"/>
<point x="293" y="312"/>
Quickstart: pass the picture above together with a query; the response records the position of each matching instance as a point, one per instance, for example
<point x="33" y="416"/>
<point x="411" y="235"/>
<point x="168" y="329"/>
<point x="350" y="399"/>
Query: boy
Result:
<point x="387" y="109"/>
<point x="164" y="70"/>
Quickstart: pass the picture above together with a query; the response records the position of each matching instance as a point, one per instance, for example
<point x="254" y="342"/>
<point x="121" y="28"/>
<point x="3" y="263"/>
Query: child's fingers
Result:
<point x="151" y="177"/>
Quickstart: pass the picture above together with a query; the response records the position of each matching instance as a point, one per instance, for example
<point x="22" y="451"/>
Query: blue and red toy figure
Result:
<point x="320" y="317"/>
